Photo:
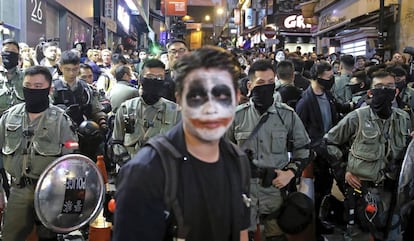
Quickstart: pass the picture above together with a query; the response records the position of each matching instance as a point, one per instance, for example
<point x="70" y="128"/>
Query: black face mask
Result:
<point x="401" y="85"/>
<point x="262" y="97"/>
<point x="151" y="90"/>
<point x="355" y="88"/>
<point x="10" y="59"/>
<point x="326" y="84"/>
<point x="381" y="102"/>
<point x="37" y="100"/>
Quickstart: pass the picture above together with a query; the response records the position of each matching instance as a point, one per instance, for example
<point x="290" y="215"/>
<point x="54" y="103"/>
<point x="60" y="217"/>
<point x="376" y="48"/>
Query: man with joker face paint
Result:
<point x="212" y="191"/>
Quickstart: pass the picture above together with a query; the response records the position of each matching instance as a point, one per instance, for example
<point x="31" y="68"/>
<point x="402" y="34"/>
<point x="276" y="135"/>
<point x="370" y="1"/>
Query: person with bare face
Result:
<point x="211" y="187"/>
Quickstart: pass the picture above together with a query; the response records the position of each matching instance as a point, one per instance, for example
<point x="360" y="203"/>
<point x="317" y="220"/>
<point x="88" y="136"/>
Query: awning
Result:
<point x="251" y="30"/>
<point x="367" y="20"/>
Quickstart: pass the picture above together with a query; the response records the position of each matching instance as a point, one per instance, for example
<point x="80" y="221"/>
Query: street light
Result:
<point x="207" y="18"/>
<point x="220" y="11"/>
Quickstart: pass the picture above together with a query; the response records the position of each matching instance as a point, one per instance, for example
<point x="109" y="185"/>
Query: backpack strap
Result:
<point x="244" y="165"/>
<point x="169" y="156"/>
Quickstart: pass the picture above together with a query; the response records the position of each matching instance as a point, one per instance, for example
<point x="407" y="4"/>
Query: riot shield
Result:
<point x="406" y="180"/>
<point x="69" y="193"/>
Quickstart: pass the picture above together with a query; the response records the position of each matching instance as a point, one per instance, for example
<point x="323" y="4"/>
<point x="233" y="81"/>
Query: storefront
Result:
<point x="295" y="32"/>
<point x="354" y="25"/>
<point x="10" y="26"/>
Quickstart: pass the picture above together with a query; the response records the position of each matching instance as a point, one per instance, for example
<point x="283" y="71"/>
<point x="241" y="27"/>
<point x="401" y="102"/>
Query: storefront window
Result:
<point x="355" y="48"/>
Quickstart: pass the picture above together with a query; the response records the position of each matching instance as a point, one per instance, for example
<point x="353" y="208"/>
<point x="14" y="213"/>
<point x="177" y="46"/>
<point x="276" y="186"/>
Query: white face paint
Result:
<point x="208" y="103"/>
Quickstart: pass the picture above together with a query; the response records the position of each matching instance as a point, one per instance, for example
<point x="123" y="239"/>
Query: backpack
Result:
<point x="167" y="151"/>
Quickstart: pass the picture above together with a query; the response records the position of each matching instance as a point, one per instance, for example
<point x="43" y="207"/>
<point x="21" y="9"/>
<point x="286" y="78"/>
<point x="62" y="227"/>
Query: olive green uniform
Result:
<point x="281" y="143"/>
<point x="28" y="148"/>
<point x="11" y="90"/>
<point x="377" y="149"/>
<point x="370" y="150"/>
<point x="135" y="122"/>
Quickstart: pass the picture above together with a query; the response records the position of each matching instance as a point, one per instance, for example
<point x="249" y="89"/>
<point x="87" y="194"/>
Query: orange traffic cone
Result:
<point x="100" y="229"/>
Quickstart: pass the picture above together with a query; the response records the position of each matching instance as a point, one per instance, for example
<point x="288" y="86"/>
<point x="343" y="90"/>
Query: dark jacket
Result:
<point x="301" y="81"/>
<point x="290" y="94"/>
<point x="309" y="112"/>
<point x="141" y="211"/>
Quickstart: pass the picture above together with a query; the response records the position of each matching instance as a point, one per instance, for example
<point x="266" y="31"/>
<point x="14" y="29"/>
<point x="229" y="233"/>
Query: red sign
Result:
<point x="269" y="32"/>
<point x="174" y="7"/>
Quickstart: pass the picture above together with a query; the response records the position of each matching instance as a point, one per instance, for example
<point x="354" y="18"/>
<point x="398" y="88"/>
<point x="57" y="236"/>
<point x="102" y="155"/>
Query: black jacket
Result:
<point x="309" y="112"/>
<point x="141" y="211"/>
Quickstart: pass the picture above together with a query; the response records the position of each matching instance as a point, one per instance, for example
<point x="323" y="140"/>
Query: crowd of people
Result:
<point x="295" y="122"/>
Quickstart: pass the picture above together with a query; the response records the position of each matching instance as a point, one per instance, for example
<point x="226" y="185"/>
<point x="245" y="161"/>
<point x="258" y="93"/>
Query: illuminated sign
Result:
<point x="296" y="21"/>
<point x="123" y="18"/>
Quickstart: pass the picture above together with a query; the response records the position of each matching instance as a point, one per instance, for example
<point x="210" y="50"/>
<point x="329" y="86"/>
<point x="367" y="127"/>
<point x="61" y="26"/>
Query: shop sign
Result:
<point x="237" y="14"/>
<point x="329" y="20"/>
<point x="269" y="32"/>
<point x="109" y="6"/>
<point x="174" y="7"/>
<point x="248" y="18"/>
<point x="295" y="21"/>
<point x="36" y="20"/>
<point x="37" y="11"/>
<point x="110" y="24"/>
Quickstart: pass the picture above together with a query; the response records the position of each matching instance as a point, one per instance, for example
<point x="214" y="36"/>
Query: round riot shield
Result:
<point x="405" y="190"/>
<point x="69" y="193"/>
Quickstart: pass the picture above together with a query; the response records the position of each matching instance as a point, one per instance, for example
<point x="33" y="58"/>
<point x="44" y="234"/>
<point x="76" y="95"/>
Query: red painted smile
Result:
<point x="211" y="124"/>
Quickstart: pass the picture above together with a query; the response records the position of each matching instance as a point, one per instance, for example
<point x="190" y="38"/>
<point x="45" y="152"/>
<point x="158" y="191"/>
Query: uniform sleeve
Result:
<point x="140" y="210"/>
<point x="119" y="124"/>
<point x="298" y="144"/>
<point x="97" y="109"/>
<point x="68" y="135"/>
<point x="2" y="129"/>
<point x="299" y="138"/>
<point x="342" y="133"/>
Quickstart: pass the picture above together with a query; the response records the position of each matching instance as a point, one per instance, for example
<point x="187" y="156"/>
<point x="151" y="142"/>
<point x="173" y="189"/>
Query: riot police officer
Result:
<point x="32" y="135"/>
<point x="378" y="134"/>
<point x="140" y="118"/>
<point x="11" y="90"/>
<point x="280" y="131"/>
<point x="76" y="97"/>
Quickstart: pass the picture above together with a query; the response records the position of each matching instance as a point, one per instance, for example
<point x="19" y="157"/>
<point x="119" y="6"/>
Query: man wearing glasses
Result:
<point x="177" y="48"/>
<point x="140" y="118"/>
<point x="378" y="134"/>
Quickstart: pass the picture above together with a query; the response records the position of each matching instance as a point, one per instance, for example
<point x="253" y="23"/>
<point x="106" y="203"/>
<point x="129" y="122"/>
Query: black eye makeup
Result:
<point x="197" y="94"/>
<point x="222" y="94"/>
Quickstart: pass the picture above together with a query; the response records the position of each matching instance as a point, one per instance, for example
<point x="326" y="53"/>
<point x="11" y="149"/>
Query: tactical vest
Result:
<point x="77" y="103"/>
<point x="29" y="151"/>
<point x="374" y="145"/>
<point x="163" y="120"/>
<point x="11" y="91"/>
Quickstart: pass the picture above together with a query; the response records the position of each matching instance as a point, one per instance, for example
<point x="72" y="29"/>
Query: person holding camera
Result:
<point x="268" y="131"/>
<point x="140" y="118"/>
